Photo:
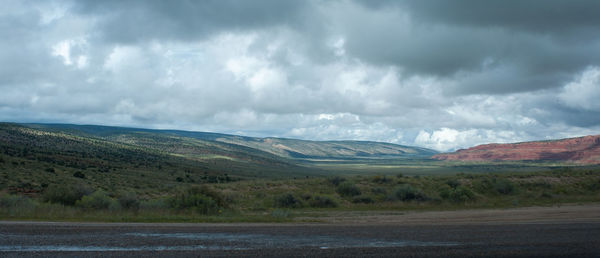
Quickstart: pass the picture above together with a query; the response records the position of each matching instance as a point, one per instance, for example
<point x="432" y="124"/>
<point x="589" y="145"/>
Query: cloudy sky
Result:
<point x="438" y="74"/>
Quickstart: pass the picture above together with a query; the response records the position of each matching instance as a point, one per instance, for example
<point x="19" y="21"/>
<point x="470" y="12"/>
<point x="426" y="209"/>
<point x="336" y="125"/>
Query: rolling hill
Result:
<point x="33" y="156"/>
<point x="252" y="146"/>
<point x="301" y="149"/>
<point x="580" y="150"/>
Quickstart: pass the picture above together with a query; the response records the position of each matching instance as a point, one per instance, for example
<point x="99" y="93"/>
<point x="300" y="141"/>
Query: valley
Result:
<point x="100" y="173"/>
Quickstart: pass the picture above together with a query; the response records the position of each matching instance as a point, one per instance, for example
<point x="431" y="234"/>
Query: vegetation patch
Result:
<point x="348" y="189"/>
<point x="322" y="202"/>
<point x="201" y="199"/>
<point x="407" y="192"/>
<point x="288" y="200"/>
<point x="280" y="200"/>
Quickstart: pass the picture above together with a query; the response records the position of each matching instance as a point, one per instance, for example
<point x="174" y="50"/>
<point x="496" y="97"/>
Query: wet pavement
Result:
<point x="47" y="239"/>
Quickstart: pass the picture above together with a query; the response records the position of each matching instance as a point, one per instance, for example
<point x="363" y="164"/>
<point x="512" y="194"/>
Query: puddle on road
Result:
<point x="227" y="241"/>
<point x="254" y="241"/>
<point x="69" y="248"/>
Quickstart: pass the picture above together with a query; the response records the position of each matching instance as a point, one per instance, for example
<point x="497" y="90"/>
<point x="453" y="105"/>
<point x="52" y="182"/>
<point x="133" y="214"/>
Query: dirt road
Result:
<point x="567" y="235"/>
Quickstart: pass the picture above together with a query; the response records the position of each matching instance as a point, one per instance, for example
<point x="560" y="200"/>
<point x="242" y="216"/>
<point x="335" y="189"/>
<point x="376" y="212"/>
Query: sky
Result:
<point x="439" y="74"/>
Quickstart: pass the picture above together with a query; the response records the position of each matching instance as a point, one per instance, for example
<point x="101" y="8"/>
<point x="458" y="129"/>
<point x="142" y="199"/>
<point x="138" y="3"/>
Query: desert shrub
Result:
<point x="98" y="200"/>
<point x="378" y="190"/>
<point x="362" y="199"/>
<point x="494" y="186"/>
<point x="444" y="191"/>
<point x="336" y="180"/>
<point x="305" y="196"/>
<point x="155" y="204"/>
<point x="205" y="190"/>
<point x="546" y="195"/>
<point x="482" y="185"/>
<point x="287" y="200"/>
<point x="458" y="194"/>
<point x="407" y="192"/>
<point x="348" y="189"/>
<point x="280" y="214"/>
<point x="381" y="179"/>
<point x="15" y="201"/>
<point x="462" y="194"/>
<point x="560" y="189"/>
<point x="65" y="194"/>
<point x="230" y="198"/>
<point x="503" y="186"/>
<point x="539" y="185"/>
<point x="129" y="201"/>
<point x="14" y="205"/>
<point x="50" y="170"/>
<point x="201" y="199"/>
<point x="79" y="174"/>
<point x="322" y="202"/>
<point x="454" y="183"/>
<point x="593" y="185"/>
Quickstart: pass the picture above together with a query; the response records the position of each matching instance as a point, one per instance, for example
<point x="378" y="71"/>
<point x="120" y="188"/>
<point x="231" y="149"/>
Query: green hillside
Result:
<point x="33" y="156"/>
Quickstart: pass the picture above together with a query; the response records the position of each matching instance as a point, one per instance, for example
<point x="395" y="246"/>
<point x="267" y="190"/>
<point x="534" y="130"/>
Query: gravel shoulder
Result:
<point x="562" y="214"/>
<point x="570" y="213"/>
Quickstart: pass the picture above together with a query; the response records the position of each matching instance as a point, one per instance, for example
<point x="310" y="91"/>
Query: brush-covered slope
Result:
<point x="303" y="149"/>
<point x="582" y="150"/>
<point x="249" y="147"/>
<point x="35" y="156"/>
<point x="176" y="143"/>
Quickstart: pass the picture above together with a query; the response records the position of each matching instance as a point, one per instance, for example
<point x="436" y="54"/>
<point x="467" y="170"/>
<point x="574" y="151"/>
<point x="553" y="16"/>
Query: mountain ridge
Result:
<point x="578" y="150"/>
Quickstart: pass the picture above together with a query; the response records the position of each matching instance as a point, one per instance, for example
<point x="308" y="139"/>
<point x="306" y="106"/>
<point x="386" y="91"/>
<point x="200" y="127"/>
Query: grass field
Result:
<point x="264" y="200"/>
<point x="427" y="167"/>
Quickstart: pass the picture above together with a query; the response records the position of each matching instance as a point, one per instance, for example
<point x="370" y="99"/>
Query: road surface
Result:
<point x="566" y="237"/>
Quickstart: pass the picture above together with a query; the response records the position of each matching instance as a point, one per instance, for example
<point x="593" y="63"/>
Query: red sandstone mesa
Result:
<point x="582" y="150"/>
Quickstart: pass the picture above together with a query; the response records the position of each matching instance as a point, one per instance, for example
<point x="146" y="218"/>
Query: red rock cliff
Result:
<point x="584" y="150"/>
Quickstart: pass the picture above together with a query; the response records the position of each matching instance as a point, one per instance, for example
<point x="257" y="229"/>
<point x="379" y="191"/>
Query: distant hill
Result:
<point x="580" y="150"/>
<point x="282" y="147"/>
<point x="33" y="156"/>
<point x="302" y="149"/>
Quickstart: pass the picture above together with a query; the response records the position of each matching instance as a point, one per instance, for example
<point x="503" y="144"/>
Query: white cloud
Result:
<point x="123" y="57"/>
<point x="82" y="62"/>
<point x="446" y="139"/>
<point x="338" y="46"/>
<point x="584" y="91"/>
<point x="65" y="49"/>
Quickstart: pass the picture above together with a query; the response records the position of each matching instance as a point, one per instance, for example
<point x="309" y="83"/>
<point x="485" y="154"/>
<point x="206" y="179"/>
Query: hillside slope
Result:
<point x="580" y="150"/>
<point x="303" y="149"/>
<point x="34" y="157"/>
<point x="253" y="146"/>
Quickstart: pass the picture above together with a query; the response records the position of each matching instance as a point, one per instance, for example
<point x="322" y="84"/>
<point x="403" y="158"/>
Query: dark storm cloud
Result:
<point x="546" y="41"/>
<point x="130" y="21"/>
<point x="574" y="117"/>
<point x="541" y="43"/>
<point x="19" y="54"/>
<point x="540" y="16"/>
